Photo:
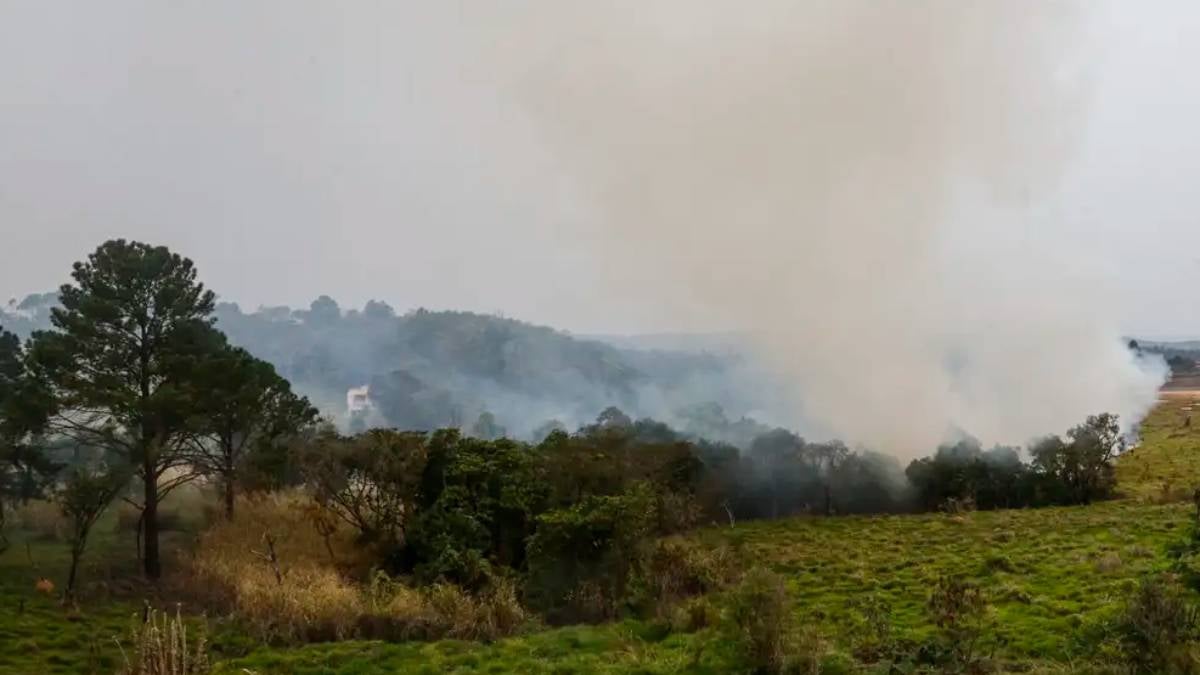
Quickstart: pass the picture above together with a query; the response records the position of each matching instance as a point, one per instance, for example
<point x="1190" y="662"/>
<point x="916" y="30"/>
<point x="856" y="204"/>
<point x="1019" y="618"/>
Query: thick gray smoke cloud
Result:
<point x="860" y="185"/>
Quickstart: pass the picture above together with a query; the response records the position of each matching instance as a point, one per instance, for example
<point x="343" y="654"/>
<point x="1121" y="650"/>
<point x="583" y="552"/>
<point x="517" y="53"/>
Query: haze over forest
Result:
<point x="972" y="233"/>
<point x="655" y="336"/>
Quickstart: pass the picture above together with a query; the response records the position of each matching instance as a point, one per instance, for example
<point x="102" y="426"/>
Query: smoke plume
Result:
<point x="863" y="187"/>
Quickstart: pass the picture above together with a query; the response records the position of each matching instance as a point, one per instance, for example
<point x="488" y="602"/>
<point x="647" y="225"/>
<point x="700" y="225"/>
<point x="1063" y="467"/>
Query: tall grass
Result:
<point x="291" y="581"/>
<point x="161" y="646"/>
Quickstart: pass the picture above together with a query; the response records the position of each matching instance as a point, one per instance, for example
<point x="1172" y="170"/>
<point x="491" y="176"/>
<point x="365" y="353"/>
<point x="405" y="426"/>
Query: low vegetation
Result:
<point x="133" y="437"/>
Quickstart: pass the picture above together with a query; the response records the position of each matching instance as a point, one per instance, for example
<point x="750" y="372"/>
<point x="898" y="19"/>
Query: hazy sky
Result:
<point x="368" y="150"/>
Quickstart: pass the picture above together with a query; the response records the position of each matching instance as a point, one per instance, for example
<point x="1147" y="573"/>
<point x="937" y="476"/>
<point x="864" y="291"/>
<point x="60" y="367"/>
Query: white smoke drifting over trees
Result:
<point x="865" y="187"/>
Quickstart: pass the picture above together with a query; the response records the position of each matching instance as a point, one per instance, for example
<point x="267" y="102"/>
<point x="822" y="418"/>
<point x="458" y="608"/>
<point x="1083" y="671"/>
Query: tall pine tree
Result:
<point x="126" y="340"/>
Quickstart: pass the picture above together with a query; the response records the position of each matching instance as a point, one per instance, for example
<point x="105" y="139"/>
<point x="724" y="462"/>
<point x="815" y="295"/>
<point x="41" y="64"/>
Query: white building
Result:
<point x="358" y="399"/>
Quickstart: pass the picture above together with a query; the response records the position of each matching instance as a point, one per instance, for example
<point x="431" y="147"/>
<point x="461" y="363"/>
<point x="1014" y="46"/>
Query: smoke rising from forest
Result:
<point x="861" y="186"/>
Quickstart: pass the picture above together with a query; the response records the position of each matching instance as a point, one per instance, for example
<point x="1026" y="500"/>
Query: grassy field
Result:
<point x="36" y="634"/>
<point x="1166" y="463"/>
<point x="1051" y="576"/>
<point x="39" y="635"/>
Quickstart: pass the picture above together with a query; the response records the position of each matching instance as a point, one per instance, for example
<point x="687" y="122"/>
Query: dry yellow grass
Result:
<point x="278" y="573"/>
<point x="289" y="583"/>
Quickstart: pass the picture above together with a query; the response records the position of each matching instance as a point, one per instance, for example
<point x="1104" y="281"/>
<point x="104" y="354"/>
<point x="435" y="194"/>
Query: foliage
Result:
<point x="128" y="333"/>
<point x="1159" y="629"/>
<point x="25" y="471"/>
<point x="990" y="479"/>
<point x="580" y="557"/>
<point x="479" y="502"/>
<point x="965" y="641"/>
<point x="369" y="481"/>
<point x="82" y="496"/>
<point x="244" y="407"/>
<point x="309" y="599"/>
<point x="674" y="569"/>
<point x="762" y="621"/>
<point x="1082" y="467"/>
<point x="783" y="474"/>
<point x="1075" y="471"/>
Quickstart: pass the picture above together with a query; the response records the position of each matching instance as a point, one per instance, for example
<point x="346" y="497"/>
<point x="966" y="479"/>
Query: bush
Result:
<point x="312" y="604"/>
<point x="875" y="635"/>
<point x="300" y="539"/>
<point x="674" y="569"/>
<point x="1158" y="629"/>
<point x="581" y="558"/>
<point x="763" y="627"/>
<point x="965" y="641"/>
<point x="693" y="615"/>
<point x="441" y="611"/>
<point x="287" y="589"/>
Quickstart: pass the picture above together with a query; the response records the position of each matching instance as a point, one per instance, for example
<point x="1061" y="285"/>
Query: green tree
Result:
<point x="243" y="405"/>
<point x="124" y="343"/>
<point x="1096" y="443"/>
<point x="83" y="495"/>
<point x="779" y="454"/>
<point x="370" y="481"/>
<point x="24" y="469"/>
<point x="1081" y="469"/>
<point x="479" y="500"/>
<point x="580" y="557"/>
<point x="828" y="459"/>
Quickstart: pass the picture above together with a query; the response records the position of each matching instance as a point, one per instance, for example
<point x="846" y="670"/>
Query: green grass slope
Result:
<point x="1051" y="575"/>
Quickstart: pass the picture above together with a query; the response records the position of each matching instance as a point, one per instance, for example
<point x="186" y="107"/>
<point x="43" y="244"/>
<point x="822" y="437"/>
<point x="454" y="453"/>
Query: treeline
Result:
<point x="1077" y="470"/>
<point x="577" y="510"/>
<point x="1183" y="358"/>
<point x="433" y="369"/>
<point x="134" y="392"/>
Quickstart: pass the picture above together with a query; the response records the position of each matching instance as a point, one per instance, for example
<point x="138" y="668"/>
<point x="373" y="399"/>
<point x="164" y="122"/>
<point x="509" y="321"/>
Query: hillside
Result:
<point x="1052" y="576"/>
<point x="429" y="369"/>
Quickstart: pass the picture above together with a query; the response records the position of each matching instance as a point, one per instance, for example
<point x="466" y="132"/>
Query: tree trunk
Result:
<point x="229" y="497"/>
<point x="828" y="500"/>
<point x="150" y="561"/>
<point x="76" y="554"/>
<point x="137" y="537"/>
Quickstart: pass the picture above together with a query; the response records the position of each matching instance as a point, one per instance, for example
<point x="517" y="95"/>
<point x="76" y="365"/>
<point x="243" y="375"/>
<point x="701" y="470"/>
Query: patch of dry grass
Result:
<point x="288" y="582"/>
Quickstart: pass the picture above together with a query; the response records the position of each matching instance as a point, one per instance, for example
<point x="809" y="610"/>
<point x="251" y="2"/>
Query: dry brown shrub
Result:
<point x="310" y="599"/>
<point x="446" y="611"/>
<point x="161" y="646"/>
<point x="506" y="615"/>
<point x="228" y="547"/>
<point x="314" y="597"/>
<point x="675" y="569"/>
<point x="312" y="604"/>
